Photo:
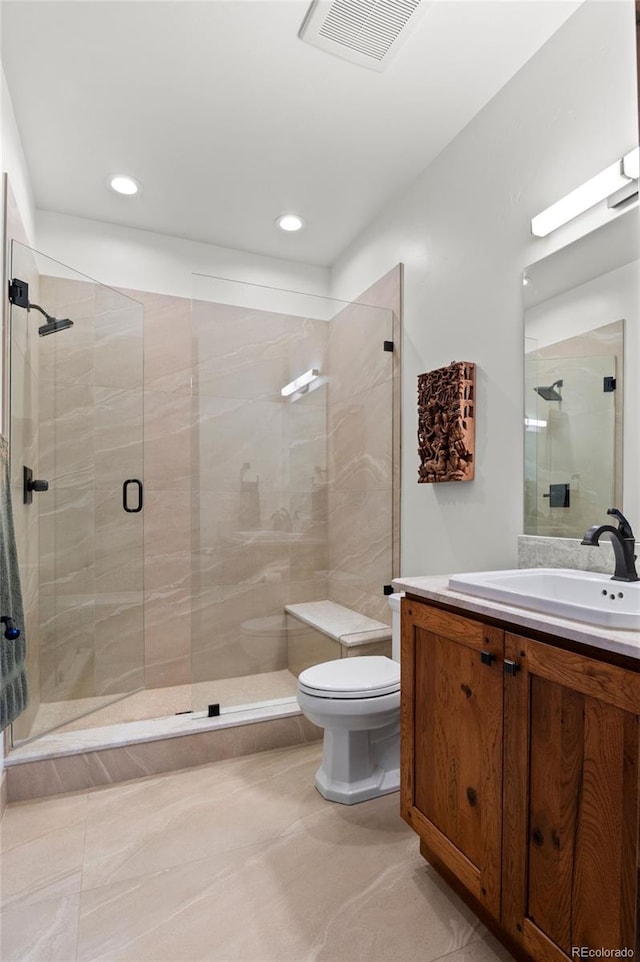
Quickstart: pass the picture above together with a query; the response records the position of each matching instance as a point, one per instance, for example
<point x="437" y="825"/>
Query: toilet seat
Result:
<point x="367" y="676"/>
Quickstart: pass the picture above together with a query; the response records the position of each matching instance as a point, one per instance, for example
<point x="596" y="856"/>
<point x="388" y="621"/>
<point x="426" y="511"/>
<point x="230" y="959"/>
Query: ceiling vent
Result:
<point x="366" y="32"/>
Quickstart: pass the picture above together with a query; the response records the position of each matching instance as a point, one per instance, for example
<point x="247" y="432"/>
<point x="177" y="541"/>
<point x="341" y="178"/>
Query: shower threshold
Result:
<point x="79" y="759"/>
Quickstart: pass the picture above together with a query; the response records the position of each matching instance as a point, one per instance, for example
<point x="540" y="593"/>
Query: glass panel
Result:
<point x="76" y="420"/>
<point x="292" y="495"/>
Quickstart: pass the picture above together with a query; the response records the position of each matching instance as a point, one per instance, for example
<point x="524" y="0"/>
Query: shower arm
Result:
<point x="31" y="306"/>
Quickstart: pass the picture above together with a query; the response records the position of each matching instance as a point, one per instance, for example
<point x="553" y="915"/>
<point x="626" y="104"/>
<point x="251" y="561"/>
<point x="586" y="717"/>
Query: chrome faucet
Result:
<point x="623" y="542"/>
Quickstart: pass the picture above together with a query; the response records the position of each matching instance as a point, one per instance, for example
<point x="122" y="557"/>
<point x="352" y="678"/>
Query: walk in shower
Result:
<point x="193" y="492"/>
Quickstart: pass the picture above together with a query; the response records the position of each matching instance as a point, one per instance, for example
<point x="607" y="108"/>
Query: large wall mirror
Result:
<point x="582" y="422"/>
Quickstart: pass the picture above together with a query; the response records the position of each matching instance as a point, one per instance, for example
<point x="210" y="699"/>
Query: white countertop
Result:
<point x="434" y="588"/>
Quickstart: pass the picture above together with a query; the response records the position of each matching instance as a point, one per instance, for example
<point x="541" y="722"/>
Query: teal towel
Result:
<point x="14" y="692"/>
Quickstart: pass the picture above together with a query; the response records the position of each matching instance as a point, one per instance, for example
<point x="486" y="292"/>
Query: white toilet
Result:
<point x="357" y="702"/>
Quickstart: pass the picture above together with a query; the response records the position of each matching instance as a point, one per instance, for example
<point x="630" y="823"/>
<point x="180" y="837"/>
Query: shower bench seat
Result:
<point x="333" y="631"/>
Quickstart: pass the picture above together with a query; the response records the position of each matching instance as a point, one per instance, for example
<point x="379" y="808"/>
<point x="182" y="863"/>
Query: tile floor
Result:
<point x="236" y="861"/>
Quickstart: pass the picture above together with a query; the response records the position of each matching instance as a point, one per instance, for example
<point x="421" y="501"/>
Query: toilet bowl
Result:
<point x="357" y="703"/>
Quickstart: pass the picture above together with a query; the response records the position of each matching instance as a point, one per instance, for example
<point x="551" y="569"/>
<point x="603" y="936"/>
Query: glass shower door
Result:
<point x="77" y="424"/>
<point x="292" y="492"/>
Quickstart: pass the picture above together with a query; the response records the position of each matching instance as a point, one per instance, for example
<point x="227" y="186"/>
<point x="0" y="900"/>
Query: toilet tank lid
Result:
<point x="375" y="674"/>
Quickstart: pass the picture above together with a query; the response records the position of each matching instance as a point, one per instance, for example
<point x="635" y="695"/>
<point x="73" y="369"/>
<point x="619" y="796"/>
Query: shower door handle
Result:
<point x="125" y="495"/>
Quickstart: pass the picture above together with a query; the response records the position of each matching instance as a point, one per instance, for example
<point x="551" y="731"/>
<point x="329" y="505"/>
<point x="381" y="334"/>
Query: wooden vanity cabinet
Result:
<point x="520" y="774"/>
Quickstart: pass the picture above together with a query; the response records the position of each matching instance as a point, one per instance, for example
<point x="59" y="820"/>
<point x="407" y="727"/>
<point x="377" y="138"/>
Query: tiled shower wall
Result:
<point x="251" y="501"/>
<point x="259" y="466"/>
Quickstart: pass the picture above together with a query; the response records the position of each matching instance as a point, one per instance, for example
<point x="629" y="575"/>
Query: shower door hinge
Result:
<point x="388" y="346"/>
<point x="19" y="293"/>
<point x="608" y="384"/>
<point x="213" y="711"/>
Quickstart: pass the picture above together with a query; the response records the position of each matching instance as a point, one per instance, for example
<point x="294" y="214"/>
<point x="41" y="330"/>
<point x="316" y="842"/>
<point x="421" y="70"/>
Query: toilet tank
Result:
<point x="394" y="604"/>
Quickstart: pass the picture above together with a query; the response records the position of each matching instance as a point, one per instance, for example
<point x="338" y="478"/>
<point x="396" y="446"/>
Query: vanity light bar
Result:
<point x="607" y="182"/>
<point x="300" y="382"/>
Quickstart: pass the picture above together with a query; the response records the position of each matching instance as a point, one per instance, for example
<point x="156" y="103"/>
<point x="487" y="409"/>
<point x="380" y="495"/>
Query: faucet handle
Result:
<point x="623" y="525"/>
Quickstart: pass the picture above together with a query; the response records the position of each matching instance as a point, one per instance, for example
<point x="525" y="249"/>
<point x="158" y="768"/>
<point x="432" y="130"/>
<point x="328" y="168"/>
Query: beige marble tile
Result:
<point x="67" y="297"/>
<point x="224" y="642"/>
<point x="356" y="359"/>
<point x="168" y="357"/>
<point x="118" y="359"/>
<point x="316" y="887"/>
<point x="360" y="550"/>
<point x="485" y="949"/>
<point x="46" y="933"/>
<point x="167" y="635"/>
<point x="189" y="816"/>
<point x="336" y="620"/>
<point x="307" y="646"/>
<point x="230" y="432"/>
<point x="372" y="648"/>
<point x="167" y="538"/>
<point x="245" y="353"/>
<point x="359" y="440"/>
<point x="172" y="862"/>
<point x="67" y="523"/>
<point x="167" y="441"/>
<point x="118" y="440"/>
<point x="43" y="867"/>
<point x="346" y="588"/>
<point x="119" y="643"/>
<point x="39" y="821"/>
<point x="68" y="773"/>
<point x="119" y="543"/>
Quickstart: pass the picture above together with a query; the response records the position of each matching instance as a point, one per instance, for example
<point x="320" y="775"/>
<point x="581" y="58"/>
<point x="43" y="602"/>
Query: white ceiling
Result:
<point x="228" y="118"/>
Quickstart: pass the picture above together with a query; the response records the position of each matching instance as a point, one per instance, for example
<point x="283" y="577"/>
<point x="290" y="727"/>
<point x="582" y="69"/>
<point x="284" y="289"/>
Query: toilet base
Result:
<point x="349" y="793"/>
<point x="359" y="765"/>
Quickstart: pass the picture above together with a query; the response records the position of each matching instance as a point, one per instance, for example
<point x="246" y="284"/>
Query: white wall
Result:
<point x="143" y="260"/>
<point x="462" y="231"/>
<point x="12" y="159"/>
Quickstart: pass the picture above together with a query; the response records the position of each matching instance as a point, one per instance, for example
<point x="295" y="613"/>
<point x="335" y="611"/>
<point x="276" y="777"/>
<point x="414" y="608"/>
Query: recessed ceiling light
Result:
<point x="290" y="222"/>
<point x="122" y="184"/>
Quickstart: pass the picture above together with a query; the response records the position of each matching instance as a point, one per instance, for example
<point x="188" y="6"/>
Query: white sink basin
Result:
<point x="584" y="595"/>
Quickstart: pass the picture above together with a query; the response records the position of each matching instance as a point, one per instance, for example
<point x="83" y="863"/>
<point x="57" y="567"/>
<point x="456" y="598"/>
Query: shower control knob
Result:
<point x="31" y="484"/>
<point x="38" y="485"/>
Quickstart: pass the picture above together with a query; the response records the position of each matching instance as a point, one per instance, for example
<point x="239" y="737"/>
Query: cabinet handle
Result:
<point x="487" y="658"/>
<point x="511" y="667"/>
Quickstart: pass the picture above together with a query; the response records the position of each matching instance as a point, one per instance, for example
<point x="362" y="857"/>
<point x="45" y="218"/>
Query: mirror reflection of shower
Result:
<point x="550" y="393"/>
<point x="19" y="295"/>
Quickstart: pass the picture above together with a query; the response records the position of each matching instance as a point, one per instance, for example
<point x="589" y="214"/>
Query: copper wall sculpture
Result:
<point x="446" y="423"/>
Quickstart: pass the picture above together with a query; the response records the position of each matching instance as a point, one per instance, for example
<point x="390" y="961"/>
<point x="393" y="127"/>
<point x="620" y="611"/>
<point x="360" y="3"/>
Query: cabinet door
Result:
<point x="452" y="743"/>
<point x="570" y="845"/>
